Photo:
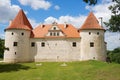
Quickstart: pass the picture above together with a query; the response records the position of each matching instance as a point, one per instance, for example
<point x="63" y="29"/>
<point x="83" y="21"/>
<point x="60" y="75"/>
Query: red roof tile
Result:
<point x="20" y="22"/>
<point x="69" y="32"/>
<point x="91" y="23"/>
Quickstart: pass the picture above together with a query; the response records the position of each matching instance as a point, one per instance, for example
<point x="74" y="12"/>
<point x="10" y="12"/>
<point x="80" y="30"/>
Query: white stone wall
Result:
<point x="19" y="53"/>
<point x="98" y="51"/>
<point x="56" y="49"/>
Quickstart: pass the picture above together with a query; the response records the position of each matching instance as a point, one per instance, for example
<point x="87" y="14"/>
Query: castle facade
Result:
<point x="54" y="42"/>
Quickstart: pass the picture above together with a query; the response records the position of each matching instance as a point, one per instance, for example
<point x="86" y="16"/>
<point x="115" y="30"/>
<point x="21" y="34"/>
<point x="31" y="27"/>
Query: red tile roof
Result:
<point x="91" y="23"/>
<point x="69" y="32"/>
<point x="20" y="22"/>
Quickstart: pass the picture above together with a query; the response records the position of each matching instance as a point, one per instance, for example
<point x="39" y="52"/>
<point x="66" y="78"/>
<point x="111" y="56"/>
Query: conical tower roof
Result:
<point x="20" y="22"/>
<point x="91" y="23"/>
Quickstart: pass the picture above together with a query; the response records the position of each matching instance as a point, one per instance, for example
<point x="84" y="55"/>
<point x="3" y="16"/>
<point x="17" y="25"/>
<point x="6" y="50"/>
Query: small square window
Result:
<point x="32" y="44"/>
<point x="22" y="34"/>
<point x="12" y="33"/>
<point x="42" y="44"/>
<point x="74" y="44"/>
<point x="97" y="33"/>
<point x="15" y="43"/>
<point x="91" y="44"/>
<point x="89" y="33"/>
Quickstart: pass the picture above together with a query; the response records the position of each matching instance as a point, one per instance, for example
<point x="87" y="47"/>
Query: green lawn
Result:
<point x="86" y="70"/>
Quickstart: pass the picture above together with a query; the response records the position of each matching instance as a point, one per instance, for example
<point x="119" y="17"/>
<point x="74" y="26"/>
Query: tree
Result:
<point x="1" y="47"/>
<point x="114" y="22"/>
<point x="114" y="55"/>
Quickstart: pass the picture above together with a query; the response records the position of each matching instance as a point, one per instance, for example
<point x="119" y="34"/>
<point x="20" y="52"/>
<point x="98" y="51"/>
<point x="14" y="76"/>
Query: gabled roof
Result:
<point x="20" y="22"/>
<point x="69" y="31"/>
<point x="91" y="23"/>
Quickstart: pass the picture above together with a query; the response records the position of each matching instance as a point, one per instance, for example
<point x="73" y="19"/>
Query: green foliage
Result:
<point x="115" y="55"/>
<point x="114" y="22"/>
<point x="86" y="70"/>
<point x="1" y="48"/>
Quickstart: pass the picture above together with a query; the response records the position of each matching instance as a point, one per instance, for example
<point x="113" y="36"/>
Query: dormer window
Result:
<point x="57" y="33"/>
<point x="54" y="28"/>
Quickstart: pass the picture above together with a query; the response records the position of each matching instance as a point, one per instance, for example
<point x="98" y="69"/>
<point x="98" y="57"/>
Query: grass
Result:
<point x="86" y="70"/>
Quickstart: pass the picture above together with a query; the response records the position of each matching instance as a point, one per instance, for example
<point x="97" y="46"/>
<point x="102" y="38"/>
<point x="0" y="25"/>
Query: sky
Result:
<point x="62" y="11"/>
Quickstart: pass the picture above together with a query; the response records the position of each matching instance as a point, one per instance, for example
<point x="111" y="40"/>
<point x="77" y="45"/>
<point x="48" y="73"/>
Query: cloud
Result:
<point x="112" y="39"/>
<point x="56" y="7"/>
<point x="36" y="4"/>
<point x="76" y="21"/>
<point x="33" y="22"/>
<point x="7" y="10"/>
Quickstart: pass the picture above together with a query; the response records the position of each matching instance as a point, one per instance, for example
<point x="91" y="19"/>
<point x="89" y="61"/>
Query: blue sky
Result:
<point x="46" y="11"/>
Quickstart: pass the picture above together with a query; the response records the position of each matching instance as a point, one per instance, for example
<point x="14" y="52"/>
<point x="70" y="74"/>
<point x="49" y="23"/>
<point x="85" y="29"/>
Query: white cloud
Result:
<point x="7" y="10"/>
<point x="33" y="22"/>
<point x="56" y="7"/>
<point x="113" y="40"/>
<point x="36" y="4"/>
<point x="76" y="21"/>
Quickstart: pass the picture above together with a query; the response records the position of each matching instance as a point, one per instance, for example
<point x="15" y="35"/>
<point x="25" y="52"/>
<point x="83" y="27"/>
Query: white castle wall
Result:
<point x="59" y="49"/>
<point x="19" y="53"/>
<point x="98" y="51"/>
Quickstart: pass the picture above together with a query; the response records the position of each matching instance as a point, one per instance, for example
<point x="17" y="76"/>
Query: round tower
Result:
<point x="93" y="46"/>
<point x="17" y="37"/>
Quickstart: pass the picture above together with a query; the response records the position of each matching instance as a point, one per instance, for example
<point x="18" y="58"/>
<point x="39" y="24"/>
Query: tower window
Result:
<point x="91" y="44"/>
<point x="42" y="44"/>
<point x="12" y="33"/>
<point x="22" y="34"/>
<point x="89" y="33"/>
<point x="74" y="44"/>
<point x="32" y="44"/>
<point x="15" y="43"/>
<point x="97" y="33"/>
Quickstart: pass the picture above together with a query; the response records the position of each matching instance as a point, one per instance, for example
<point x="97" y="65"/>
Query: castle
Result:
<point x="54" y="42"/>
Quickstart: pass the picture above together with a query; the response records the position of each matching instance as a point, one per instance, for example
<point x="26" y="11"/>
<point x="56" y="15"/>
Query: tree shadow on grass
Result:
<point x="12" y="67"/>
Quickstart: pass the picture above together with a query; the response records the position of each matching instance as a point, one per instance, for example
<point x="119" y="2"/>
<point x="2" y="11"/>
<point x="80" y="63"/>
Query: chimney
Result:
<point x="65" y="25"/>
<point x="42" y="25"/>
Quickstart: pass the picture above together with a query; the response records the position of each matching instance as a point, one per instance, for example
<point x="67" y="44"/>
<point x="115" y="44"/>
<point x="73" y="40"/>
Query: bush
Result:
<point x="114" y="55"/>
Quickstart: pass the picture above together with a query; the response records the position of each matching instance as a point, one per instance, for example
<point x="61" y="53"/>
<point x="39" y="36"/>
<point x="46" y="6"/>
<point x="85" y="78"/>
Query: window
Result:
<point x="22" y="34"/>
<point x="57" y="33"/>
<point x="91" y="44"/>
<point x="32" y="44"/>
<point x="50" y="33"/>
<point x="89" y="33"/>
<point x="54" y="34"/>
<point x="15" y="53"/>
<point x="74" y="44"/>
<point x="42" y="44"/>
<point x="15" y="43"/>
<point x="97" y="33"/>
<point x="54" y="28"/>
<point x="12" y="33"/>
